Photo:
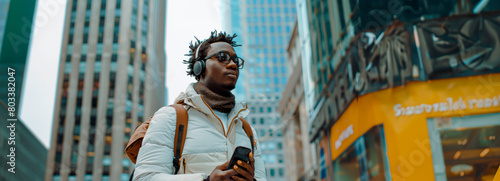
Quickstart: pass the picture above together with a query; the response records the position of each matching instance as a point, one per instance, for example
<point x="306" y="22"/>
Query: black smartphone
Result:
<point x="240" y="153"/>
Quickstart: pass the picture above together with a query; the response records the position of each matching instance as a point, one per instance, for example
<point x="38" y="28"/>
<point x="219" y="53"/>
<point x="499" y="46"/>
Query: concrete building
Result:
<point x="111" y="78"/>
<point x="299" y="154"/>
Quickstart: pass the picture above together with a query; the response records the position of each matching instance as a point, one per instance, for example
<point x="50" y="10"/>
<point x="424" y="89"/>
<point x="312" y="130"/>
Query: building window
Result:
<point x="271" y="146"/>
<point x="362" y="157"/>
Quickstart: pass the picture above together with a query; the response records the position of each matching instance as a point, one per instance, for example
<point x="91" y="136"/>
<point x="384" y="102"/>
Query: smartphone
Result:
<point x="240" y="153"/>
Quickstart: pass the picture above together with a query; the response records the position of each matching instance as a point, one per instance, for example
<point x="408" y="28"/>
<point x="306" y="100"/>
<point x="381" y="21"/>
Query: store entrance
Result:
<point x="465" y="148"/>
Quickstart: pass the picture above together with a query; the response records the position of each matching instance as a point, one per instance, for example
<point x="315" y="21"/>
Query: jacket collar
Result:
<point x="196" y="101"/>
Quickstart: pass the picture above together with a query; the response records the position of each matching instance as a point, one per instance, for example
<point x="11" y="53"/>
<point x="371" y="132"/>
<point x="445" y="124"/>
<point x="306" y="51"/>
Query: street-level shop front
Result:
<point x="437" y="129"/>
<point x="413" y="101"/>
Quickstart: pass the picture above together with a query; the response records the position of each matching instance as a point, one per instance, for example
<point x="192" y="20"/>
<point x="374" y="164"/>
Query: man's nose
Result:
<point x="232" y="64"/>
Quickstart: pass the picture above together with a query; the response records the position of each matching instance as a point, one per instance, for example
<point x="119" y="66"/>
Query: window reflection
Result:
<point x="364" y="159"/>
<point x="471" y="154"/>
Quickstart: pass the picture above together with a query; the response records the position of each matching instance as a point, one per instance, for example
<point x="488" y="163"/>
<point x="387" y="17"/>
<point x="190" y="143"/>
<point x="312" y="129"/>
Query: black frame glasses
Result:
<point x="226" y="58"/>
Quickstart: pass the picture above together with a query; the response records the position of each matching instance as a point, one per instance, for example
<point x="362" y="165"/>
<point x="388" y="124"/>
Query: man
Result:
<point x="214" y="125"/>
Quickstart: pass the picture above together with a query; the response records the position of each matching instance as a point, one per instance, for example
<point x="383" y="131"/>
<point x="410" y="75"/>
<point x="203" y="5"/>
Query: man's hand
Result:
<point x="220" y="173"/>
<point x="246" y="170"/>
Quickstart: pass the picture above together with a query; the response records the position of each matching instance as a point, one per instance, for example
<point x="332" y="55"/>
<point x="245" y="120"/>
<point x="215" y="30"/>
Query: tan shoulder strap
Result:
<point x="248" y="131"/>
<point x="180" y="134"/>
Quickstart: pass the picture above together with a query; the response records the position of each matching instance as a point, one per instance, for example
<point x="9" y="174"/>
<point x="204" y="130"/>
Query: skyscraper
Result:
<point x="111" y="78"/>
<point x="265" y="27"/>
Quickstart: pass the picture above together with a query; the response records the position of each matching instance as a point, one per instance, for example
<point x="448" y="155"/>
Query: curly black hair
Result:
<point x="205" y="47"/>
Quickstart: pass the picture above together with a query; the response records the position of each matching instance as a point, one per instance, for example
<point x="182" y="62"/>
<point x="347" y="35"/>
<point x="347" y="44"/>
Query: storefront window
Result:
<point x="465" y="148"/>
<point x="365" y="159"/>
<point x="375" y="154"/>
<point x="346" y="166"/>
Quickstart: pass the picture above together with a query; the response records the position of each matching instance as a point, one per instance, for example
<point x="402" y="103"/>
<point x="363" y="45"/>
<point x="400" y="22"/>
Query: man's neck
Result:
<point x="220" y="90"/>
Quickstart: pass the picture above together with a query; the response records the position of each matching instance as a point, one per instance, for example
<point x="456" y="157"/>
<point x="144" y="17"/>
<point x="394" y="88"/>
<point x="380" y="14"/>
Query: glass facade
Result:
<point x="4" y="4"/>
<point x="264" y="28"/>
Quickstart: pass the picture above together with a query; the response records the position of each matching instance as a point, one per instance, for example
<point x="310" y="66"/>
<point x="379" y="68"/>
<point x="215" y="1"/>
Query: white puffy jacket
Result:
<point x="207" y="143"/>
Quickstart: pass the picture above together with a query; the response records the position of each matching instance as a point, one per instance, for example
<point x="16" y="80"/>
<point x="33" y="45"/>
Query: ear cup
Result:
<point x="199" y="67"/>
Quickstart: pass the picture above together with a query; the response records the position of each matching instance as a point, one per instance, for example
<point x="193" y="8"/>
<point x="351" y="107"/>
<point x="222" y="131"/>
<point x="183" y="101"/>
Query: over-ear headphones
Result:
<point x="199" y="65"/>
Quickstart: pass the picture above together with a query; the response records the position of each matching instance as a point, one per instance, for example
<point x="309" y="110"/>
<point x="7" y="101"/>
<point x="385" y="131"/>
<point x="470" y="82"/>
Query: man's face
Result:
<point x="219" y="76"/>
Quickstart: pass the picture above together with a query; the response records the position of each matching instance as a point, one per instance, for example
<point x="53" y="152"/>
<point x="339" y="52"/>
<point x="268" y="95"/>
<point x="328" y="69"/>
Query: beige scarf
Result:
<point x="221" y="103"/>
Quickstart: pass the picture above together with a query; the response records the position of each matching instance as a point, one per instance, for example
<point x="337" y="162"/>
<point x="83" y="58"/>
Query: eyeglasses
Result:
<point x="225" y="58"/>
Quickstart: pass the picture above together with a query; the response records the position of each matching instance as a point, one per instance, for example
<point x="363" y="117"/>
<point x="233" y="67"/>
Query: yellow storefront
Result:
<point x="400" y="133"/>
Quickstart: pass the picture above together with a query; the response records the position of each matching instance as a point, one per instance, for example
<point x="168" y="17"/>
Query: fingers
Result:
<point x="231" y="172"/>
<point x="244" y="173"/>
<point x="237" y="178"/>
<point x="249" y="168"/>
<point x="252" y="160"/>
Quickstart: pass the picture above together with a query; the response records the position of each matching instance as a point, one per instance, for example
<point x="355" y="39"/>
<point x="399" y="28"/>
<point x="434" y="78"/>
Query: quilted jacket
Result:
<point x="207" y="145"/>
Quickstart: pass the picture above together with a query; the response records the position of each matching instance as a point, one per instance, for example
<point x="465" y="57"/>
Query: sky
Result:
<point x="185" y="19"/>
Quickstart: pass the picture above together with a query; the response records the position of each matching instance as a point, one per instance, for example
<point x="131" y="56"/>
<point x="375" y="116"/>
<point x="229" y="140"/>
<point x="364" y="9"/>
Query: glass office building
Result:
<point x="264" y="28"/>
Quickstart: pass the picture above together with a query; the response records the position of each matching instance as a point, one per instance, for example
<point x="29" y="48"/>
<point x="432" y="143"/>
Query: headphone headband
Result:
<point x="197" y="51"/>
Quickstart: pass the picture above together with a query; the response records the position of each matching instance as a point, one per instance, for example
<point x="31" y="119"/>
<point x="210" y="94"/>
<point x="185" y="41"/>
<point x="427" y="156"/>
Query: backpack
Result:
<point x="135" y="142"/>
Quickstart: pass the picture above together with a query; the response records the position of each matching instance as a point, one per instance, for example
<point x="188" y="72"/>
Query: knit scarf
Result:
<point x="221" y="103"/>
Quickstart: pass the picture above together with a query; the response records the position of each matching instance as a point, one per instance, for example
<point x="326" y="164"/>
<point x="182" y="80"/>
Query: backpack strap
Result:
<point x="180" y="134"/>
<point x="248" y="131"/>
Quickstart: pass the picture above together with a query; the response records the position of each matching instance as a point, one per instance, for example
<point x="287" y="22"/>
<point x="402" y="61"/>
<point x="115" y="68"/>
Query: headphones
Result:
<point x="199" y="65"/>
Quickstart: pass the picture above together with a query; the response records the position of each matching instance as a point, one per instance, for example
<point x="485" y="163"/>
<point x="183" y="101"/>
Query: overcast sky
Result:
<point x="185" y="19"/>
